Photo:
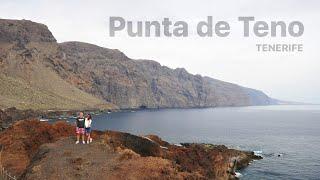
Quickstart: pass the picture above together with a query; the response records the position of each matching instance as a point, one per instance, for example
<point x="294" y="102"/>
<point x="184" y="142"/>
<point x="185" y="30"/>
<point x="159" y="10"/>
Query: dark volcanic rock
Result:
<point x="24" y="31"/>
<point x="3" y="119"/>
<point x="10" y="115"/>
<point x="142" y="146"/>
<point x="17" y="114"/>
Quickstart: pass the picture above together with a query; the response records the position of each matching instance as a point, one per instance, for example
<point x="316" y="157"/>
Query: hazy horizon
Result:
<point x="284" y="76"/>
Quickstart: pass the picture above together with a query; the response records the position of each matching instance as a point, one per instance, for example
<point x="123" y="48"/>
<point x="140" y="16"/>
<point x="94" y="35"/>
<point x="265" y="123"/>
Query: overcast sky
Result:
<point x="286" y="76"/>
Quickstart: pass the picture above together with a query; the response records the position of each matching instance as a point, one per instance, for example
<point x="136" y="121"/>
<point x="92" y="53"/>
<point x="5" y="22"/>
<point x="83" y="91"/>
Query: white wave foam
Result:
<point x="257" y="153"/>
<point x="238" y="175"/>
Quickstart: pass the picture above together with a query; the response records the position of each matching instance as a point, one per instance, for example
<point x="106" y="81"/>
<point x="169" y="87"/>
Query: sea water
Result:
<point x="288" y="137"/>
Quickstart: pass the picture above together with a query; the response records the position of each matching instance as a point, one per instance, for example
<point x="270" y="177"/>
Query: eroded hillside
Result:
<point x="39" y="73"/>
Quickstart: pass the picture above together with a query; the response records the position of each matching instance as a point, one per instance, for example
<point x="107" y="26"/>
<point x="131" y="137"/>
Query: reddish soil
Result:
<point x="22" y="140"/>
<point x="113" y="155"/>
<point x="97" y="161"/>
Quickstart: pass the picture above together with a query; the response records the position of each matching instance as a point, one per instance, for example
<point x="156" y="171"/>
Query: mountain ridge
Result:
<point x="163" y="83"/>
<point x="30" y="53"/>
<point x="27" y="83"/>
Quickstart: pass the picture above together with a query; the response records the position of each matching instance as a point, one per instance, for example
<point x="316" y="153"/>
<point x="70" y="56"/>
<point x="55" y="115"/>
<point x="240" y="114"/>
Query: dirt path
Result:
<point x="67" y="160"/>
<point x="38" y="150"/>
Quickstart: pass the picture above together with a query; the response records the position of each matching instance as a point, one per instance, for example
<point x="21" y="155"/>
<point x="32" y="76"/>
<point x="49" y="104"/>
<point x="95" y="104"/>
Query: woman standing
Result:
<point x="87" y="123"/>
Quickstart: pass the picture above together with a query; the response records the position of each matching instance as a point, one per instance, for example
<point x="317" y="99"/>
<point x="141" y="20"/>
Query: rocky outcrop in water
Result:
<point x="38" y="73"/>
<point x="31" y="148"/>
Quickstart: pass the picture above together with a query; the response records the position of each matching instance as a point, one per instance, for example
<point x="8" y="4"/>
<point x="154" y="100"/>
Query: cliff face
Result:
<point x="128" y="83"/>
<point x="36" y="72"/>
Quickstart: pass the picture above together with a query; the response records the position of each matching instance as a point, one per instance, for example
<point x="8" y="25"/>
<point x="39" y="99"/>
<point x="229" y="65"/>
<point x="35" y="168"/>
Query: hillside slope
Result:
<point x="26" y="82"/>
<point x="39" y="73"/>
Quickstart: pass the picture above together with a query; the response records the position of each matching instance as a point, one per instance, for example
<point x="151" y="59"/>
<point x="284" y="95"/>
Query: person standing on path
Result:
<point x="80" y="127"/>
<point x="87" y="124"/>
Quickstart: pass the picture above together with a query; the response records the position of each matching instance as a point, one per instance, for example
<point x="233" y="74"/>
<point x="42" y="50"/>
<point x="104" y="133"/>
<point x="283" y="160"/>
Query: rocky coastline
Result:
<point x="11" y="115"/>
<point x="38" y="74"/>
<point x="30" y="148"/>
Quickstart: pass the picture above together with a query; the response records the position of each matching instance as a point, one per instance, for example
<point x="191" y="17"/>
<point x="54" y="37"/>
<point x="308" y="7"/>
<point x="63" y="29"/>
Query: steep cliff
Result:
<point x="26" y="82"/>
<point x="38" y="73"/>
<point x="128" y="83"/>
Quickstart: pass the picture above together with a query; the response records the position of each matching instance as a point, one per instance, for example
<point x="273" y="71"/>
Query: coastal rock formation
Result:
<point x="37" y="72"/>
<point x="27" y="154"/>
<point x="10" y="115"/>
<point x="98" y="161"/>
<point x="3" y="119"/>
<point x="21" y="141"/>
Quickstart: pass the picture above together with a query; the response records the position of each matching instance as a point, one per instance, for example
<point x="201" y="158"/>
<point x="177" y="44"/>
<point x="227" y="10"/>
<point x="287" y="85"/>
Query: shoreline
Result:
<point x="9" y="115"/>
<point x="213" y="160"/>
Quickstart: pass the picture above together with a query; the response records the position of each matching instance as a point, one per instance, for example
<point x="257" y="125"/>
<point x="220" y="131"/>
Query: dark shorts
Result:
<point x="88" y="130"/>
<point x="79" y="130"/>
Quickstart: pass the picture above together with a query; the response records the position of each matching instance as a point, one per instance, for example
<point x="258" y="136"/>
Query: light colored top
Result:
<point x="87" y="123"/>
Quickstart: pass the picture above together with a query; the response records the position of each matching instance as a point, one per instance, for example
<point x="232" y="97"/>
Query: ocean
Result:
<point x="287" y="136"/>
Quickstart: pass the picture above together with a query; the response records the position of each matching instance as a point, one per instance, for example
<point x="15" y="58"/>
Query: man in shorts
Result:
<point x="80" y="127"/>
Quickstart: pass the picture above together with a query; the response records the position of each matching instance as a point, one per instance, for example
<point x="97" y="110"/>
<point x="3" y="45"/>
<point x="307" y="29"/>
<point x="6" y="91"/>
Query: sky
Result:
<point x="292" y="76"/>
